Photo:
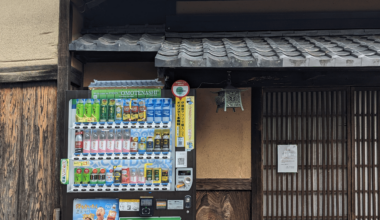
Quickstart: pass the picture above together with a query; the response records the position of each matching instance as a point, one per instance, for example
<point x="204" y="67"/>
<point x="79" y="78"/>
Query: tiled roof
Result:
<point x="126" y="42"/>
<point x="125" y="83"/>
<point x="303" y="51"/>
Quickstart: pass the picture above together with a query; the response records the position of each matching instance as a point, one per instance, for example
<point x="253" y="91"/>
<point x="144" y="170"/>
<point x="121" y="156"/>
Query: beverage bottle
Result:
<point x="150" y="110"/>
<point x="157" y="141"/>
<point x="112" y="213"/>
<point x="78" y="175"/>
<point x="102" y="143"/>
<point x="96" y="110"/>
<point x="109" y="177"/>
<point x="141" y="177"/>
<point x="117" y="176"/>
<point x="86" y="176"/>
<point x="94" y="177"/>
<point x="79" y="111"/>
<point x="126" y="141"/>
<point x="125" y="176"/>
<point x="149" y="144"/>
<point x="111" y="111"/>
<point x="102" y="177"/>
<point x="78" y="142"/>
<point x="88" y="108"/>
<point x="142" y="145"/>
<point x="126" y="111"/>
<point x="110" y="142"/>
<point x="103" y="111"/>
<point x="94" y="143"/>
<point x="87" y="143"/>
<point x="166" y="110"/>
<point x="118" y="142"/>
<point x="165" y="140"/>
<point x="133" y="177"/>
<point x="119" y="110"/>
<point x="158" y="111"/>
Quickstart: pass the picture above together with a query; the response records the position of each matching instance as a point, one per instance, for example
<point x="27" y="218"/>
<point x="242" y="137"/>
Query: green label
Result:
<point x="153" y="93"/>
<point x="80" y="108"/>
<point x="88" y="108"/>
<point x="78" y="173"/>
<point x="86" y="175"/>
<point x="104" y="110"/>
<point x="111" y="110"/>
<point x="96" y="109"/>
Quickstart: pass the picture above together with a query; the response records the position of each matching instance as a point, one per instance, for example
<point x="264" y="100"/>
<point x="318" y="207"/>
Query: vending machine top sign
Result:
<point x="180" y="88"/>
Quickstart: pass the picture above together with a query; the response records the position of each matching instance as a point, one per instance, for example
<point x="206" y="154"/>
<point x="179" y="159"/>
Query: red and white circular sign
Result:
<point x="180" y="88"/>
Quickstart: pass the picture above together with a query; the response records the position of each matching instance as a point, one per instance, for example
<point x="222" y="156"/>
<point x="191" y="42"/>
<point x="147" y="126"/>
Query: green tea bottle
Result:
<point x="86" y="176"/>
<point x="103" y="110"/>
<point x="96" y="110"/>
<point x="111" y="110"/>
<point x="88" y="108"/>
<point x="80" y="110"/>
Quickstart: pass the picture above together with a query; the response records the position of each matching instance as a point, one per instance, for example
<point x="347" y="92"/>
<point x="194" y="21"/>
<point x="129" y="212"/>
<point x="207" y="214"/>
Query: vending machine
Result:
<point x="129" y="157"/>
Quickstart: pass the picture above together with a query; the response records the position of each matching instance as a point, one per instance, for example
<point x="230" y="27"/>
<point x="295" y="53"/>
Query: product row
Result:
<point x="120" y="176"/>
<point x="121" y="141"/>
<point x="108" y="111"/>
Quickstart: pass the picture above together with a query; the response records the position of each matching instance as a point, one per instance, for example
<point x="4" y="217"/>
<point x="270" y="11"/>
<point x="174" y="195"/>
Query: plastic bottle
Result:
<point x="86" y="176"/>
<point x="133" y="176"/>
<point x="94" y="142"/>
<point x="141" y="177"/>
<point x="166" y="106"/>
<point x="117" y="176"/>
<point x="150" y="110"/>
<point x="110" y="142"/>
<point x="102" y="143"/>
<point x="112" y="213"/>
<point x="102" y="177"/>
<point x="158" y="111"/>
<point x="86" y="143"/>
<point x="126" y="141"/>
<point x="78" y="142"/>
<point x="94" y="177"/>
<point x="109" y="177"/>
<point x="118" y="142"/>
<point x="125" y="176"/>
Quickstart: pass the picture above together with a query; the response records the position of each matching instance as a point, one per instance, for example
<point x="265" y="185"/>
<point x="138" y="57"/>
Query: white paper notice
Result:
<point x="181" y="158"/>
<point x="175" y="204"/>
<point x="129" y="205"/>
<point x="287" y="159"/>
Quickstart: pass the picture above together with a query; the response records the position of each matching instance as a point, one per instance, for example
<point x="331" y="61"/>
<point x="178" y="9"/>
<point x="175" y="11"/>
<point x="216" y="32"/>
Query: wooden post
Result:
<point x="63" y="84"/>
<point x="257" y="154"/>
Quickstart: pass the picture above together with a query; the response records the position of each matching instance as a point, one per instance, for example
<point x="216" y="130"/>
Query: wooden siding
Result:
<point x="27" y="151"/>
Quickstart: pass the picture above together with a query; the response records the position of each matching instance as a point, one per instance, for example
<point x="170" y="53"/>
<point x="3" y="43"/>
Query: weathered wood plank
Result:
<point x="223" y="184"/>
<point x="223" y="205"/>
<point x="76" y="77"/>
<point x="27" y="74"/>
<point x="257" y="152"/>
<point x="10" y="146"/>
<point x="37" y="175"/>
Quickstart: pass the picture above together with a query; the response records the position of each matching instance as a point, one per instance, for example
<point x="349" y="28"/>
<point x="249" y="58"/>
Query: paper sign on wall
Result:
<point x="287" y="159"/>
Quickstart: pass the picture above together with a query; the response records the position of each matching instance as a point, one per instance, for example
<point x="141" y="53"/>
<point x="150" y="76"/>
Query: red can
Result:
<point x="125" y="175"/>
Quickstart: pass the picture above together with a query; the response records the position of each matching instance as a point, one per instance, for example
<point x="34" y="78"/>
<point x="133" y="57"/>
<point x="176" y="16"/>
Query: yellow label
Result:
<point x="145" y="165"/>
<point x="180" y="122"/>
<point x="189" y="122"/>
<point x="81" y="163"/>
<point x="129" y="200"/>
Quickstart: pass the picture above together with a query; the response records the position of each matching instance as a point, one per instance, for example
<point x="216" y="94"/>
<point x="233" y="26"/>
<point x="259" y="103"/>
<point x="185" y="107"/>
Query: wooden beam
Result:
<point x="76" y="77"/>
<point x="223" y="184"/>
<point x="28" y="73"/>
<point x="257" y="154"/>
<point x="63" y="84"/>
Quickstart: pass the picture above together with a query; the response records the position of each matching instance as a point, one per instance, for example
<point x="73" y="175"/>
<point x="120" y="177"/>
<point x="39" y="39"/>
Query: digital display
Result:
<point x="184" y="172"/>
<point x="146" y="202"/>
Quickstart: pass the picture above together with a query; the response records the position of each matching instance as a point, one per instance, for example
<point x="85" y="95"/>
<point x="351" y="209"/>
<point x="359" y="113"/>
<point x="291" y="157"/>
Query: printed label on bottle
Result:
<point x="109" y="177"/>
<point x="134" y="146"/>
<point x="102" y="146"/>
<point x="118" y="146"/>
<point x="133" y="179"/>
<point x="94" y="146"/>
<point x="126" y="146"/>
<point x="110" y="146"/>
<point x="86" y="147"/>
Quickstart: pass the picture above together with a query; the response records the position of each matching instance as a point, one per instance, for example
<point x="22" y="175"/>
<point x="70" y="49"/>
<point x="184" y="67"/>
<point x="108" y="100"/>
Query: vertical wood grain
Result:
<point x="37" y="158"/>
<point x="10" y="147"/>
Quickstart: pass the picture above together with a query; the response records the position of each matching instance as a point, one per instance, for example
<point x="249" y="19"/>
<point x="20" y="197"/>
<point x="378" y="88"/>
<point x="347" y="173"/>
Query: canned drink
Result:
<point x="118" y="109"/>
<point x="86" y="176"/>
<point x="117" y="176"/>
<point x="96" y="110"/>
<point x="94" y="176"/>
<point x="157" y="140"/>
<point x="111" y="110"/>
<point x="165" y="176"/>
<point x="78" y="175"/>
<point x="165" y="140"/>
<point x="125" y="175"/>
<point x="102" y="176"/>
<point x="103" y="110"/>
<point x="157" y="175"/>
<point x="149" y="176"/>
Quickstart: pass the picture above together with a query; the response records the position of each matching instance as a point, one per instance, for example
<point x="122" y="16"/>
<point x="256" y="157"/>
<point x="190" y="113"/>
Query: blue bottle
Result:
<point x="166" y="107"/>
<point x="158" y="111"/>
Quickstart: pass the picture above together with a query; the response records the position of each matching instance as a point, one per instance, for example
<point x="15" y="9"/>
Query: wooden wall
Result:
<point x="28" y="177"/>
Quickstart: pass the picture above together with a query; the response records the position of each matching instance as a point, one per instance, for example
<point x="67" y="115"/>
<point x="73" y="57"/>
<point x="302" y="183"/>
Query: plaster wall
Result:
<point x="29" y="32"/>
<point x="223" y="139"/>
